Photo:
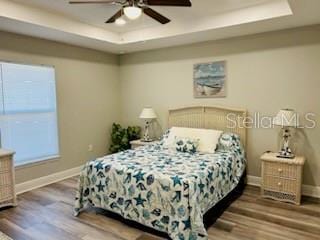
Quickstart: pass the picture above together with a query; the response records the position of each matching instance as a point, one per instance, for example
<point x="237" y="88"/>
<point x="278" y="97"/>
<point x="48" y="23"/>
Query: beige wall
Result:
<point x="266" y="72"/>
<point x="87" y="95"/>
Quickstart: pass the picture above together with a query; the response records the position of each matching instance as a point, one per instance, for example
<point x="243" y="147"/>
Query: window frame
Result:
<point x="43" y="160"/>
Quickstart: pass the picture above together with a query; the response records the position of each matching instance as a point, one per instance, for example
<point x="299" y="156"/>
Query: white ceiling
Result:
<point x="84" y="25"/>
<point x="97" y="14"/>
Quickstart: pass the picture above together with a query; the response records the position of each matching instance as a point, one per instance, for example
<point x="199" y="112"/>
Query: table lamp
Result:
<point x="148" y="115"/>
<point x="286" y="119"/>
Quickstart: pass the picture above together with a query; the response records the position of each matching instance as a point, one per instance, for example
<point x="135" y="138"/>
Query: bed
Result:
<point x="166" y="190"/>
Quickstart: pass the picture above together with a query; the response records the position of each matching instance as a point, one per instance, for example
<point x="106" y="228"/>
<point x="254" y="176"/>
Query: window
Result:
<point x="28" y="113"/>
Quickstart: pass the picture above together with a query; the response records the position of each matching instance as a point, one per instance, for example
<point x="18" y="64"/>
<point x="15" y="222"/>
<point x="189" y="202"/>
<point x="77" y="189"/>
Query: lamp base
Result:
<point x="146" y="137"/>
<point x="286" y="151"/>
<point x="286" y="155"/>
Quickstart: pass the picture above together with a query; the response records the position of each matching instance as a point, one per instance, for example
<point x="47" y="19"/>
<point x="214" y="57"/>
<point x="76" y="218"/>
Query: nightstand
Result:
<point x="7" y="181"/>
<point x="282" y="178"/>
<point x="139" y="143"/>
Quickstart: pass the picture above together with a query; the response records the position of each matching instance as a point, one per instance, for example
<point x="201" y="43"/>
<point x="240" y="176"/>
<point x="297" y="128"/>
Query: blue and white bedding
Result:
<point x="161" y="188"/>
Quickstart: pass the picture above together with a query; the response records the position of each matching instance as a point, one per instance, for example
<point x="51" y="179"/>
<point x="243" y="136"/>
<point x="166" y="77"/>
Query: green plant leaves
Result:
<point x="121" y="137"/>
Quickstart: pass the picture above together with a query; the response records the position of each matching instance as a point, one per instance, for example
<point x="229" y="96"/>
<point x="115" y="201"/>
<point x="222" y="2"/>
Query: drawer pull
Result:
<point x="279" y="184"/>
<point x="280" y="170"/>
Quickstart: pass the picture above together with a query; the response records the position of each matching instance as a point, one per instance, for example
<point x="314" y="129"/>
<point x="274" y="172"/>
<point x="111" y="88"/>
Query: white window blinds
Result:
<point x="28" y="119"/>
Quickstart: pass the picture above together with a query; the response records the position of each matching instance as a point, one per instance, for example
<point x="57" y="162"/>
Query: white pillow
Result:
<point x="208" y="138"/>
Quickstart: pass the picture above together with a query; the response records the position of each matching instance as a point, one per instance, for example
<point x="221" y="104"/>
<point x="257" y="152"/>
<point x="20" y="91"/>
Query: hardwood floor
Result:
<point x="46" y="213"/>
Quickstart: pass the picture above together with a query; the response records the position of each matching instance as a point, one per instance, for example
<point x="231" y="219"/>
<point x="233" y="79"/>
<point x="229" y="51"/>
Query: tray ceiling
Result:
<point x="207" y="20"/>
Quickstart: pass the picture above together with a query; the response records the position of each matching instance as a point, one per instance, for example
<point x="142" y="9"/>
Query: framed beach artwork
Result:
<point x="209" y="80"/>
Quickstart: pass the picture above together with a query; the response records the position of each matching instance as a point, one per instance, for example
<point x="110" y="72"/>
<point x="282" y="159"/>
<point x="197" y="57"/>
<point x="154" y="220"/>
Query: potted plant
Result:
<point x="121" y="137"/>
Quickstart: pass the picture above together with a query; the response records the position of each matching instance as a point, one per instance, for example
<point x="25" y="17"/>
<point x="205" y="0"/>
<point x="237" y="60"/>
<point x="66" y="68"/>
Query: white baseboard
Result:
<point x="311" y="191"/>
<point x="253" y="180"/>
<point x="46" y="180"/>
<point x="307" y="190"/>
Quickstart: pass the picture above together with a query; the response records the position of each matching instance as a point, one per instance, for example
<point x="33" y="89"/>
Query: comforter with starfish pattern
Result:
<point x="161" y="188"/>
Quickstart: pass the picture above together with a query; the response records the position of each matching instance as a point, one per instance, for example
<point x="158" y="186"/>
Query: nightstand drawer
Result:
<point x="283" y="170"/>
<point x="280" y="185"/>
<point x="5" y="164"/>
<point x="7" y="191"/>
<point x="281" y="177"/>
<point x="5" y="179"/>
<point x="6" y="194"/>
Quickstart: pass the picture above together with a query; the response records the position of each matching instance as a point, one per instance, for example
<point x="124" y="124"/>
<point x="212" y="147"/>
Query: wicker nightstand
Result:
<point x="139" y="143"/>
<point x="7" y="181"/>
<point x="282" y="178"/>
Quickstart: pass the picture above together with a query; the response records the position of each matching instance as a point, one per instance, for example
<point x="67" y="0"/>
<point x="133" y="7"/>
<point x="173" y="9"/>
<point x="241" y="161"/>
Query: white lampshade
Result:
<point x="148" y="113"/>
<point x="286" y="118"/>
<point x="132" y="12"/>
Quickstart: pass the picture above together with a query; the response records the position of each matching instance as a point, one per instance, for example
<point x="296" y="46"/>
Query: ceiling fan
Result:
<point x="133" y="9"/>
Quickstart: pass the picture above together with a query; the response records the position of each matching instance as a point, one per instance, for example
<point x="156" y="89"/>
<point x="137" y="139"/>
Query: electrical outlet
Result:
<point x="90" y="148"/>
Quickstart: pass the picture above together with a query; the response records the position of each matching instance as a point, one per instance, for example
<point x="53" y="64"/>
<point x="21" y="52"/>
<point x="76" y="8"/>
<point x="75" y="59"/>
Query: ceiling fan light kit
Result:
<point x="133" y="9"/>
<point x="120" y="21"/>
<point x="132" y="12"/>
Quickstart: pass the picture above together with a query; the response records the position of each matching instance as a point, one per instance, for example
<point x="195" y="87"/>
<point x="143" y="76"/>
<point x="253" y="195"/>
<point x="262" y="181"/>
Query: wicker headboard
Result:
<point x="219" y="118"/>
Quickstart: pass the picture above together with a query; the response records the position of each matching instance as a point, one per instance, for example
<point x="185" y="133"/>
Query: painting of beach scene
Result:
<point x="210" y="80"/>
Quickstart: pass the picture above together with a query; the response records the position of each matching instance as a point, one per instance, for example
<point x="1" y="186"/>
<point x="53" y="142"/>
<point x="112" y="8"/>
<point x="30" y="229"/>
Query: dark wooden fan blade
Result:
<point x="155" y="15"/>
<point x="115" y="17"/>
<point x="92" y="1"/>
<point x="174" y="3"/>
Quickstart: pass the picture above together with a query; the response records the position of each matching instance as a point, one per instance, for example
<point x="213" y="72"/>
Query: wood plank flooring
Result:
<point x="46" y="213"/>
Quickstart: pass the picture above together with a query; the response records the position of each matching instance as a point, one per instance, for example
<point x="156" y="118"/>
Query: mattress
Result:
<point x="161" y="188"/>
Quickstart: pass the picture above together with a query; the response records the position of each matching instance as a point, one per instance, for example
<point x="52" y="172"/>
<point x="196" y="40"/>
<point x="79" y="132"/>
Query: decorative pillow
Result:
<point x="208" y="138"/>
<point x="228" y="141"/>
<point x="186" y="145"/>
<point x="164" y="137"/>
